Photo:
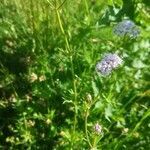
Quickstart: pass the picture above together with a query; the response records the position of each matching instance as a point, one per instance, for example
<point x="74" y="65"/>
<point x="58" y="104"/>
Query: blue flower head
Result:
<point x="126" y="28"/>
<point x="108" y="63"/>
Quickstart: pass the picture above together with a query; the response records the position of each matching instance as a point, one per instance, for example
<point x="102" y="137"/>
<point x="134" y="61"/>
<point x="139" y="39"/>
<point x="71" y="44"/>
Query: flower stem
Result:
<point x="86" y="131"/>
<point x="69" y="50"/>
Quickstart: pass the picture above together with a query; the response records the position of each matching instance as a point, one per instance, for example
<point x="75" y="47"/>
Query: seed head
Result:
<point x="108" y="63"/>
<point x="126" y="28"/>
<point x="33" y="77"/>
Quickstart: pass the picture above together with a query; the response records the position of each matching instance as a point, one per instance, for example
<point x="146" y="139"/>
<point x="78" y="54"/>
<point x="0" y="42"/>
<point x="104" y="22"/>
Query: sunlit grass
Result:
<point x="52" y="96"/>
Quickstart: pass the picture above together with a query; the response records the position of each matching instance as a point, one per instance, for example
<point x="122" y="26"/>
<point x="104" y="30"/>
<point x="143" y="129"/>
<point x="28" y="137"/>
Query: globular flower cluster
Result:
<point x="108" y="63"/>
<point x="126" y="28"/>
<point x="97" y="128"/>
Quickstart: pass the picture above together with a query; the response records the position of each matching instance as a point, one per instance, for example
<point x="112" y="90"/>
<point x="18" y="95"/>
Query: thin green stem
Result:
<point x="61" y="4"/>
<point x="146" y="115"/>
<point x="69" y="51"/>
<point x="87" y="11"/>
<point x="86" y="130"/>
<point x="86" y="6"/>
<point x="62" y="30"/>
<point x="94" y="142"/>
<point x="75" y="98"/>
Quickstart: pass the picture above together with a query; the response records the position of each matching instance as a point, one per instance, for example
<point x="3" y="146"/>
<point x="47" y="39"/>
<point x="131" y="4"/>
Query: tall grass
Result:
<point x="51" y="96"/>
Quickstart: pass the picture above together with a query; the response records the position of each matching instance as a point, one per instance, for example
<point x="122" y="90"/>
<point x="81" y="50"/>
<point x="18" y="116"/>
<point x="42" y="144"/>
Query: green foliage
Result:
<point x="51" y="96"/>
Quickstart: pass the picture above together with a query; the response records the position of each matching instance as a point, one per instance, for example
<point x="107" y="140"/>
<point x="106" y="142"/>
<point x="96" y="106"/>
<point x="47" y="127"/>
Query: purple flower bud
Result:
<point x="97" y="128"/>
<point x="108" y="63"/>
<point x="126" y="28"/>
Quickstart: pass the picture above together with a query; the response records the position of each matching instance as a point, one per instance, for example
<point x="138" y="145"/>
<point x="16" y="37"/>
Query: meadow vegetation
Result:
<point x="52" y="95"/>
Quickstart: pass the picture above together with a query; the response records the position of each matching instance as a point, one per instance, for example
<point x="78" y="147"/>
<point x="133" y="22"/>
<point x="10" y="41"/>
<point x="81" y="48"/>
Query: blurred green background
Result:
<point x="48" y="53"/>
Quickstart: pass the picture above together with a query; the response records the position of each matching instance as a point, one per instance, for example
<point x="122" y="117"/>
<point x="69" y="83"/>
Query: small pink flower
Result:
<point x="98" y="128"/>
